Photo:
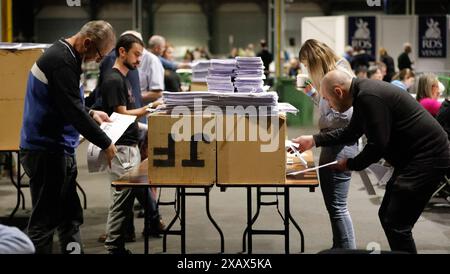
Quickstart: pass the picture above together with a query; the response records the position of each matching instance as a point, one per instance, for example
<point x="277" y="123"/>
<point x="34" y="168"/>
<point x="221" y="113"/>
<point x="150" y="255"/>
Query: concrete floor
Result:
<point x="432" y="231"/>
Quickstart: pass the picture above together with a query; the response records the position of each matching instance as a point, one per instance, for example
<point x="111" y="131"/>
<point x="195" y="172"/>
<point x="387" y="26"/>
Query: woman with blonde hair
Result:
<point x="319" y="59"/>
<point x="428" y="93"/>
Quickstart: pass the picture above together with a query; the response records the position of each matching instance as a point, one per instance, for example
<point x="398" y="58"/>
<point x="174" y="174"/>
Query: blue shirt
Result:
<point x="399" y="84"/>
<point x="167" y="64"/>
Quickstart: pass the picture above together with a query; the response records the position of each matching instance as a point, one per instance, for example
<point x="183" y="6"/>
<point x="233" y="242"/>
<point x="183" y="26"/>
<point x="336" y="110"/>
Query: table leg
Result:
<point x="249" y="219"/>
<point x="287" y="213"/>
<point x="17" y="185"/>
<point x="177" y="214"/>
<point x="183" y="220"/>
<point x="208" y="213"/>
<point x="146" y="220"/>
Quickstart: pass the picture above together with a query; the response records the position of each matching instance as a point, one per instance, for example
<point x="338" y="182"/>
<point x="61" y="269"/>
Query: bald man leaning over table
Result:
<point x="397" y="129"/>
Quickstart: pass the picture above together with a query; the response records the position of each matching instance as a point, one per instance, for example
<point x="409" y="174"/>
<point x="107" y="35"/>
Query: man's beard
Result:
<point x="129" y="66"/>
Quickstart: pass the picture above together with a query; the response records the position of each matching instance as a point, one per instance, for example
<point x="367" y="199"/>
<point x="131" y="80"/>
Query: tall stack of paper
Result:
<point x="200" y="70"/>
<point x="220" y="75"/>
<point x="249" y="74"/>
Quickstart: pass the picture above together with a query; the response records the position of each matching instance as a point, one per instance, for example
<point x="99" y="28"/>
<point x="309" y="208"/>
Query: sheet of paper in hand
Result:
<point x="96" y="158"/>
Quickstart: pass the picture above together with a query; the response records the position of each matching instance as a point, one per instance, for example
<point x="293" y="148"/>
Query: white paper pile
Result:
<point x="23" y="46"/>
<point x="220" y="75"/>
<point x="249" y="74"/>
<point x="200" y="70"/>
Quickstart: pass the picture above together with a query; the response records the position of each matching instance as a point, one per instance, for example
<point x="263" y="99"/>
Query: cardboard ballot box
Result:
<point x="184" y="156"/>
<point x="242" y="149"/>
<point x="14" y="68"/>
<point x="259" y="160"/>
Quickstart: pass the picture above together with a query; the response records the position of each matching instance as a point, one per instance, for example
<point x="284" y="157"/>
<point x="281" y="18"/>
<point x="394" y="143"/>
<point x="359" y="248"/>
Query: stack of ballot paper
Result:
<point x="220" y="75"/>
<point x="201" y="100"/>
<point x="287" y="108"/>
<point x="249" y="74"/>
<point x="200" y="70"/>
<point x="220" y="84"/>
<point x="23" y="46"/>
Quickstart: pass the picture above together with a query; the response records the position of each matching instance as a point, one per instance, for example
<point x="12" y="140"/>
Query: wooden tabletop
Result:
<point x="138" y="177"/>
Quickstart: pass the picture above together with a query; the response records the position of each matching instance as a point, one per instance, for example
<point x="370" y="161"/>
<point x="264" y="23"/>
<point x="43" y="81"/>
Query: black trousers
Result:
<point x="407" y="194"/>
<point x="56" y="205"/>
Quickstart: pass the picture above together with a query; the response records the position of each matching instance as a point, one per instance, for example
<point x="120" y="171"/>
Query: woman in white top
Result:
<point x="319" y="59"/>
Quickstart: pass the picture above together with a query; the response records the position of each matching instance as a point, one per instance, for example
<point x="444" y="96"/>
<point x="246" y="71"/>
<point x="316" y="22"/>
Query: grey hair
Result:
<point x="155" y="41"/>
<point x="101" y="33"/>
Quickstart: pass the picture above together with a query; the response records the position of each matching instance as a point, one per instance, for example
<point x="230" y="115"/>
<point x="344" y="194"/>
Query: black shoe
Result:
<point x="141" y="214"/>
<point x="153" y="233"/>
<point x="119" y="251"/>
<point x="130" y="238"/>
<point x="156" y="229"/>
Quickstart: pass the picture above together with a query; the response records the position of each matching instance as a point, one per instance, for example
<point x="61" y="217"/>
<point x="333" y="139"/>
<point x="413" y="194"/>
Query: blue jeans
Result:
<point x="335" y="187"/>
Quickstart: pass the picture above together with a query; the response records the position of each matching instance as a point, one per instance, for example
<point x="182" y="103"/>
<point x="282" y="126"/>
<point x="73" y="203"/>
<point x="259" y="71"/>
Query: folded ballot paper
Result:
<point x="96" y="158"/>
<point x="289" y="145"/>
<point x="311" y="169"/>
<point x="293" y="149"/>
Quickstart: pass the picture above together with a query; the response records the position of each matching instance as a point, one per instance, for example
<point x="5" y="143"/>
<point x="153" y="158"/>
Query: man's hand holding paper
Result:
<point x="97" y="159"/>
<point x="306" y="142"/>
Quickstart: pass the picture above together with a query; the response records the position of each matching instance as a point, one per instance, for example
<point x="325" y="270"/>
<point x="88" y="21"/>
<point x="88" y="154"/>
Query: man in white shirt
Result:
<point x="151" y="71"/>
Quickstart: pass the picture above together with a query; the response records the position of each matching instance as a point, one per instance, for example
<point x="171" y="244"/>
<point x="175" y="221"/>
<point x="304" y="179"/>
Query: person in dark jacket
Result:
<point x="361" y="59"/>
<point x="266" y="57"/>
<point x="397" y="129"/>
<point x="443" y="116"/>
<point x="403" y="60"/>
<point x="389" y="62"/>
<point x="54" y="117"/>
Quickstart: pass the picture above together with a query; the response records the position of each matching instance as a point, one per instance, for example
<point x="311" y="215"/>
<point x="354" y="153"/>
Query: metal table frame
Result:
<point x="17" y="182"/>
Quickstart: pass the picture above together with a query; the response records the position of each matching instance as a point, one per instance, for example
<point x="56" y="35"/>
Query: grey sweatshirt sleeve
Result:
<point x="14" y="241"/>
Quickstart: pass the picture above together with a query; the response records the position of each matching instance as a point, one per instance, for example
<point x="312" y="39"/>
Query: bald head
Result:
<point x="335" y="78"/>
<point x="335" y="88"/>
<point x="157" y="44"/>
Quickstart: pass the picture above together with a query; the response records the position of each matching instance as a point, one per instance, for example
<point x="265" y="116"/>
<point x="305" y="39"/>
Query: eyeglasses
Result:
<point x="98" y="52"/>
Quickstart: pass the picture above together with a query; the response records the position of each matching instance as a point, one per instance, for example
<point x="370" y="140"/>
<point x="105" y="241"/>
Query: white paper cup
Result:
<point x="301" y="80"/>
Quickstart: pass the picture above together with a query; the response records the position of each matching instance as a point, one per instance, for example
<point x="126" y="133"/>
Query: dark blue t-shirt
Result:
<point x="132" y="77"/>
